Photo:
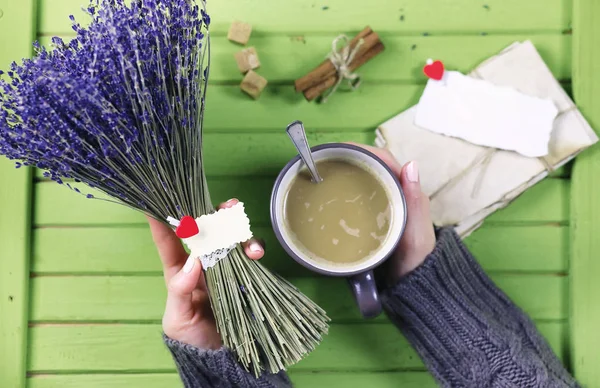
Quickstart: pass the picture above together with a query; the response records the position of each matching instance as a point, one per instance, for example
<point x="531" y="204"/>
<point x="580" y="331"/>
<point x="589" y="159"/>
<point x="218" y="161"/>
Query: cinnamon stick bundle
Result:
<point x="325" y="75"/>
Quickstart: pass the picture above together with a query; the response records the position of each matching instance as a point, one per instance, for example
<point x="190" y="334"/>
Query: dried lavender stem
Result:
<point x="120" y="108"/>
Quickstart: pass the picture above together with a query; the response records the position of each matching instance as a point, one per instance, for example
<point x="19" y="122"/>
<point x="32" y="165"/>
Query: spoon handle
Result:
<point x="296" y="132"/>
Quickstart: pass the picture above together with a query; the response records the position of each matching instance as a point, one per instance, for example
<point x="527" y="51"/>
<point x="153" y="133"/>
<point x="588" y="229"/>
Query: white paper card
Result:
<point x="486" y="114"/>
<point x="218" y="233"/>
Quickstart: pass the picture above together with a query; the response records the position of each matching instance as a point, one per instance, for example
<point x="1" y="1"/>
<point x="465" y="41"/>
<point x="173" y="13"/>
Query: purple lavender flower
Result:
<point x="119" y="107"/>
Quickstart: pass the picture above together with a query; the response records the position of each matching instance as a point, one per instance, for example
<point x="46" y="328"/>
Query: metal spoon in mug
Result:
<point x="296" y="132"/>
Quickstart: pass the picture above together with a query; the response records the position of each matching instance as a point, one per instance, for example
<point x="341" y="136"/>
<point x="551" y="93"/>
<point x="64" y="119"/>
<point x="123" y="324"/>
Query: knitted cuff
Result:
<point x="216" y="368"/>
<point x="463" y="326"/>
<point x="452" y="279"/>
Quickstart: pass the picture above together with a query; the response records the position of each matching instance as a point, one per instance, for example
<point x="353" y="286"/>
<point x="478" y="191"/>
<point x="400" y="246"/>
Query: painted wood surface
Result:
<point x="16" y="34"/>
<point x="302" y="16"/>
<point x="411" y="379"/>
<point x="96" y="295"/>
<point x="58" y="206"/>
<point x="287" y="57"/>
<point x="128" y="250"/>
<point x="102" y="348"/>
<point x="585" y="202"/>
<point x="141" y="298"/>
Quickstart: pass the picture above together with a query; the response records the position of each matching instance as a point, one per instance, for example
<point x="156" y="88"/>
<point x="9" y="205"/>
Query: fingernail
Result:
<point x="255" y="247"/>
<point x="263" y="243"/>
<point x="412" y="172"/>
<point x="189" y="264"/>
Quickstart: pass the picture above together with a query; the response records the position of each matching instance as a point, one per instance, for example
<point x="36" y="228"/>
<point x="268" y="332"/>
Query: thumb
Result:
<point x="180" y="290"/>
<point x="419" y="237"/>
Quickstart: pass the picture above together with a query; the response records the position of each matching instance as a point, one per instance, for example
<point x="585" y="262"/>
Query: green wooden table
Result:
<point x="81" y="292"/>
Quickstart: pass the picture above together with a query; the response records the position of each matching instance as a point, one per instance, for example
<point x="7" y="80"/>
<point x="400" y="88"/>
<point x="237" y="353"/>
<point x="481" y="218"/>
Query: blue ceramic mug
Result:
<point x="359" y="274"/>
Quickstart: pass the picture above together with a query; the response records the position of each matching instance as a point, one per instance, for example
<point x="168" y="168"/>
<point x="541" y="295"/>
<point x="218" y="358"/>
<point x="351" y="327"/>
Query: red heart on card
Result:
<point x="434" y="70"/>
<point x="187" y="227"/>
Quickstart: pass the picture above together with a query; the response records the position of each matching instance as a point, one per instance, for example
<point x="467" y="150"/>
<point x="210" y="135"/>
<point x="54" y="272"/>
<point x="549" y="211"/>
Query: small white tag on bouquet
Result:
<point x="211" y="237"/>
<point x="482" y="113"/>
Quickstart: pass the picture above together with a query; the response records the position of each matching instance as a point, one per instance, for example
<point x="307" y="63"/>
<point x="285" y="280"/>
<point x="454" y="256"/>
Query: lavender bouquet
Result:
<point x="120" y="108"/>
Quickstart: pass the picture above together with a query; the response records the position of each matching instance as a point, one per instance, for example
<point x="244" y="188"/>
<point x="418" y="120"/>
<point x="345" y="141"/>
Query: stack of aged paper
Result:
<point x="468" y="182"/>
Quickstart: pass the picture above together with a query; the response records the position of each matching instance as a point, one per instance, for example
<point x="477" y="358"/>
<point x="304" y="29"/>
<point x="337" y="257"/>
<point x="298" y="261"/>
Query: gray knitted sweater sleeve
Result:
<point x="200" y="368"/>
<point x="466" y="330"/>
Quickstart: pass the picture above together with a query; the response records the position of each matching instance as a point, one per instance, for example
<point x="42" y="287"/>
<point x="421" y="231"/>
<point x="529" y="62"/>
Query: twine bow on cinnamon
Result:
<point x="341" y="60"/>
<point x="340" y="65"/>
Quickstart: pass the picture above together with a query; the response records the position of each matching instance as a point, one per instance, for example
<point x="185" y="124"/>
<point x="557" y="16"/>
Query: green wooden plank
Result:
<point x="546" y="202"/>
<point x="17" y="30"/>
<point x="585" y="214"/>
<point x="228" y="109"/>
<point x="129" y="250"/>
<point x="409" y="16"/>
<point x="125" y="250"/>
<point x="563" y="172"/>
<point x="150" y="380"/>
<point x="141" y="298"/>
<point x="300" y="379"/>
<point x="128" y="348"/>
<point x="241" y="127"/>
<point x="557" y="335"/>
<point x="15" y="194"/>
<point x="264" y="154"/>
<point x="541" y="296"/>
<point x="524" y="248"/>
<point x="57" y="205"/>
<point x="138" y="348"/>
<point x="285" y="58"/>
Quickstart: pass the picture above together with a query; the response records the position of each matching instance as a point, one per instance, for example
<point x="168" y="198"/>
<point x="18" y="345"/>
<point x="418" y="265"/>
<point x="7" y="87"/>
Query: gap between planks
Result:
<point x="298" y="35"/>
<point x="141" y="225"/>
<point x="308" y="276"/>
<point x="43" y="374"/>
<point x="154" y="322"/>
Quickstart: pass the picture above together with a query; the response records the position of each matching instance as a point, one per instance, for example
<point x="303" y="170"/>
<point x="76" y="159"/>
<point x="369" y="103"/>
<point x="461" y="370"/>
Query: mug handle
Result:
<point x="365" y="292"/>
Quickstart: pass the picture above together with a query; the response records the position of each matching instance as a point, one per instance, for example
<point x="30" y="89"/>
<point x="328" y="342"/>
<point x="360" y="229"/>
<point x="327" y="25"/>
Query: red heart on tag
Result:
<point x="187" y="227"/>
<point x="434" y="70"/>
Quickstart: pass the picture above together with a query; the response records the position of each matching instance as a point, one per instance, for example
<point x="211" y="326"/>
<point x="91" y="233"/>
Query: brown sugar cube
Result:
<point x="239" y="32"/>
<point x="253" y="84"/>
<point x="247" y="59"/>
